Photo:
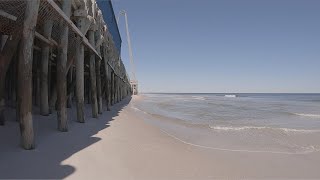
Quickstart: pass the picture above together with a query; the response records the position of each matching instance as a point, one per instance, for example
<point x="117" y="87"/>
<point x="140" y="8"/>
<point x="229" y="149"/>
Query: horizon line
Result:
<point x="229" y="92"/>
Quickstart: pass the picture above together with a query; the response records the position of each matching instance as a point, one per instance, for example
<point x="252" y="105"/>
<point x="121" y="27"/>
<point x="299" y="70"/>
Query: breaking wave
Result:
<point x="308" y="115"/>
<point x="243" y="128"/>
<point x="230" y="96"/>
<point x="199" y="98"/>
<point x="302" y="150"/>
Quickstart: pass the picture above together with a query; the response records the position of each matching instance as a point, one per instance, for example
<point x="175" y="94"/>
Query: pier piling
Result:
<point x="25" y="74"/>
<point x="62" y="71"/>
<point x="79" y="64"/>
<point x="93" y="81"/>
<point x="44" y="105"/>
<point x="46" y="57"/>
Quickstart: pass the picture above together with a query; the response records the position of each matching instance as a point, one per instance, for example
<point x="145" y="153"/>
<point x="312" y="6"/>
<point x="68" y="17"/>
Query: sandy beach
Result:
<point x="121" y="145"/>
<point x="159" y="90"/>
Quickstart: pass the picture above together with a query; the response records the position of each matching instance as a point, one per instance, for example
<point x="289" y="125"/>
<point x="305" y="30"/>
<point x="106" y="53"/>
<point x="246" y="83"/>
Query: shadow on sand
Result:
<point x="52" y="146"/>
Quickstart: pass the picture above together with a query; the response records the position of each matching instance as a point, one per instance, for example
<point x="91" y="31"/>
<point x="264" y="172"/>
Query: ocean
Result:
<point x="260" y="123"/>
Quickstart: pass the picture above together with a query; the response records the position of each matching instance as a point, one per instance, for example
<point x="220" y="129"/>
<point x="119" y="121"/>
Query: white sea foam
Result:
<point x="137" y="109"/>
<point x="308" y="115"/>
<point x="256" y="118"/>
<point x="230" y="96"/>
<point x="199" y="98"/>
<point x="304" y="150"/>
<point x="230" y="128"/>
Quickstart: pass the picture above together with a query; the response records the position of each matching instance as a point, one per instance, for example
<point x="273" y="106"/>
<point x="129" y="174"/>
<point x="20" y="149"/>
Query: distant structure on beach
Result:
<point x="56" y="53"/>
<point x="133" y="82"/>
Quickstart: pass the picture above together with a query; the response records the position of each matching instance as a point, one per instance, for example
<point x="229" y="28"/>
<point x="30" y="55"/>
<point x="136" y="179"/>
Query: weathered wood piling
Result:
<point x="62" y="71"/>
<point x="71" y="40"/>
<point x="45" y="58"/>
<point x="25" y="58"/>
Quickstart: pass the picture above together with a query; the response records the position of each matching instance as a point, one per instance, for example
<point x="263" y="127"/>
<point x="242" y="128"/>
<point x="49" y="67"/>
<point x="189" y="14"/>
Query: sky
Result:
<point x="208" y="46"/>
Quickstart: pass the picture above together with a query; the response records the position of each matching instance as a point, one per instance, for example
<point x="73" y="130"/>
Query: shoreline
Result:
<point x="121" y="145"/>
<point x="246" y="138"/>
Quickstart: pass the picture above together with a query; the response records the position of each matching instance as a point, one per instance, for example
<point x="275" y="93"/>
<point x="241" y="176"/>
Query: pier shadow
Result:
<point x="52" y="146"/>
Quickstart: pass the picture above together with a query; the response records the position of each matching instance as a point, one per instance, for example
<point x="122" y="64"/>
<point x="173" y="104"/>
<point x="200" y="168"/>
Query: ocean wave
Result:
<point x="301" y="150"/>
<point x="230" y="96"/>
<point x="242" y="128"/>
<point x="199" y="98"/>
<point x="308" y="115"/>
<point x="232" y="128"/>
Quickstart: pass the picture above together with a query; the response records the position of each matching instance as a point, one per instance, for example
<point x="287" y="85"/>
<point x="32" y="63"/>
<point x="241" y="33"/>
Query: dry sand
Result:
<point x="120" y="145"/>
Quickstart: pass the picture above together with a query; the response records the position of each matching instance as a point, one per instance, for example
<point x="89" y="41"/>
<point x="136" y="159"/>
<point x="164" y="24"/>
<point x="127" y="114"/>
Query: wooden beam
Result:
<point x="7" y="15"/>
<point x="73" y="27"/>
<point x="50" y="41"/>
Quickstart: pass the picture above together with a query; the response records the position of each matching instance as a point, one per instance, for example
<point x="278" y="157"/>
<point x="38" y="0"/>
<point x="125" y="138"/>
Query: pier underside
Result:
<point x="55" y="54"/>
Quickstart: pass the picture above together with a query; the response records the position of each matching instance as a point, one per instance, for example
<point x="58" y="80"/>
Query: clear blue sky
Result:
<point x="224" y="45"/>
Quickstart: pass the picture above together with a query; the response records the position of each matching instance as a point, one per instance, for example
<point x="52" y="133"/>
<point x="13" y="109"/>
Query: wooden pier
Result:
<point x="54" y="53"/>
